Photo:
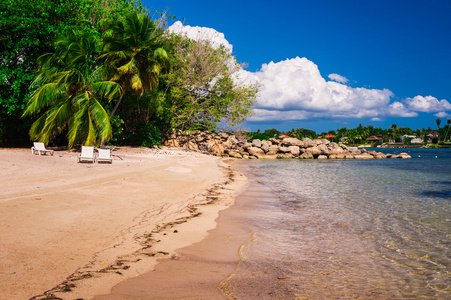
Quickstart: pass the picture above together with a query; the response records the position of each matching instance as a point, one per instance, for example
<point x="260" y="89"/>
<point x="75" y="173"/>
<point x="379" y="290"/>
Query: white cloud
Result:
<point x="201" y="33"/>
<point x="297" y="85"/>
<point x="398" y="109"/>
<point x="427" y="104"/>
<point x="338" y="78"/>
<point x="442" y="114"/>
<point x="294" y="89"/>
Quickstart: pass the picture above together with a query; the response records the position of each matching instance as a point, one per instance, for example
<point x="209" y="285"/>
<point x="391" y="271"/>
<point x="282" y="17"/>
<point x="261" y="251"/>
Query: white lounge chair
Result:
<point x="87" y="154"/>
<point x="40" y="148"/>
<point x="158" y="150"/>
<point x="105" y="155"/>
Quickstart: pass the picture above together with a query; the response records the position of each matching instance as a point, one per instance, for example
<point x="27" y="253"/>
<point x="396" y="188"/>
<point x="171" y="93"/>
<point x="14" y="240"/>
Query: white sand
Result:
<point x="86" y="227"/>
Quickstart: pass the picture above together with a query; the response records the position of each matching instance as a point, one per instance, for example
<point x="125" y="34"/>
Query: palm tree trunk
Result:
<point x="117" y="103"/>
<point x="102" y="142"/>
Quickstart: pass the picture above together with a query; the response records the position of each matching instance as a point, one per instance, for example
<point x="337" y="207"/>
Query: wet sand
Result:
<point x="73" y="230"/>
<point x="205" y="269"/>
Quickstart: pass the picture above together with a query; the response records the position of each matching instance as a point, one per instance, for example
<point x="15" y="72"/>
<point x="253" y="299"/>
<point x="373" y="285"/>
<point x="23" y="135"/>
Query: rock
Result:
<point x="322" y="157"/>
<point x="217" y="149"/>
<point x="284" y="149"/>
<point x="294" y="150"/>
<point x="224" y="136"/>
<point x="265" y="147"/>
<point x="191" y="146"/>
<point x="349" y="156"/>
<point x="404" y="155"/>
<point x="306" y="155"/>
<point x="333" y="156"/>
<point x="172" y="143"/>
<point x="256" y="143"/>
<point x="364" y="156"/>
<point x="257" y="152"/>
<point x="284" y="156"/>
<point x="234" y="154"/>
<point x="307" y="142"/>
<point x="313" y="150"/>
<point x="323" y="148"/>
<point x="292" y="142"/>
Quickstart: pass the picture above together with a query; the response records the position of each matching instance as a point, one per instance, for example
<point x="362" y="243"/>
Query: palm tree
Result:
<point x="394" y="127"/>
<point x="133" y="55"/>
<point x="69" y="92"/>
<point x="447" y="130"/>
<point x="438" y="121"/>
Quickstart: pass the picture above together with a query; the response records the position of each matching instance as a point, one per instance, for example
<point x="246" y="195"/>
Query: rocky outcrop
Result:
<point x="289" y="148"/>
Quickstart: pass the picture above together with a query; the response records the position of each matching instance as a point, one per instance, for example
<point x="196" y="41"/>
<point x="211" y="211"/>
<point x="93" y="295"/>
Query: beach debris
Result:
<point x="282" y="277"/>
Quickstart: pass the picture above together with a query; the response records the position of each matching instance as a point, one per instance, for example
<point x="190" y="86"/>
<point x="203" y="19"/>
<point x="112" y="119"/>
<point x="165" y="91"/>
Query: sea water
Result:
<point x="349" y="229"/>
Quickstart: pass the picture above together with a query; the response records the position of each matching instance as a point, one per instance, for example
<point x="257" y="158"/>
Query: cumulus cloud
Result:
<point x="338" y="78"/>
<point x="442" y="114"/>
<point x="427" y="104"/>
<point x="294" y="89"/>
<point x="197" y="33"/>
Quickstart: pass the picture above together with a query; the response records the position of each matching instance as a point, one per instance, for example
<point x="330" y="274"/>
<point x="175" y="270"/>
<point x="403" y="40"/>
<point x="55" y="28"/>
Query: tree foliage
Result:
<point x="28" y="29"/>
<point x="202" y="89"/>
<point x="69" y="93"/>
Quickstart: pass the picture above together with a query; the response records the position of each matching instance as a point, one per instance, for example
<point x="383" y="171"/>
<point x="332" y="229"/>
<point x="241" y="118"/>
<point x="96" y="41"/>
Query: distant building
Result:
<point x="416" y="141"/>
<point x="407" y="136"/>
<point x="375" y="139"/>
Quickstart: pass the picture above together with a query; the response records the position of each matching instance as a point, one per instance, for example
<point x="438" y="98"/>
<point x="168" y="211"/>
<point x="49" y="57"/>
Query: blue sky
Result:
<point x="390" y="60"/>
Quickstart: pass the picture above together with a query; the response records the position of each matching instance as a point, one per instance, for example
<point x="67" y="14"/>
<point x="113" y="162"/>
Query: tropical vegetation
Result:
<point x="89" y="72"/>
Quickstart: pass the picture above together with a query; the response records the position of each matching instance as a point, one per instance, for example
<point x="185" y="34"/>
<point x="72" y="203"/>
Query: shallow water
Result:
<point x="360" y="229"/>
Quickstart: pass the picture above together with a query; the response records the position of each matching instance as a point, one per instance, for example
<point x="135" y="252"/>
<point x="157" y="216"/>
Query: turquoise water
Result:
<point x="350" y="229"/>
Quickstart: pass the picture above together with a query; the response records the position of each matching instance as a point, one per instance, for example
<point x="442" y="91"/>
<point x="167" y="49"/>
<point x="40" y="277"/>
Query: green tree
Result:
<point x="201" y="90"/>
<point x="69" y="92"/>
<point x="28" y="29"/>
<point x="133" y="54"/>
<point x="438" y="121"/>
<point x="448" y="121"/>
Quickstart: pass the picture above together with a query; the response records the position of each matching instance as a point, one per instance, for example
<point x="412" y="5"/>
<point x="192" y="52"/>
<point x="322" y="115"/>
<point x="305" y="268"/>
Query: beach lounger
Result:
<point x="105" y="155"/>
<point x="87" y="154"/>
<point x="40" y="148"/>
<point x="157" y="150"/>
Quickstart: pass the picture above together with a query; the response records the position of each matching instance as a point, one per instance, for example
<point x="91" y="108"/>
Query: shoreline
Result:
<point x="75" y="230"/>
<point x="206" y="269"/>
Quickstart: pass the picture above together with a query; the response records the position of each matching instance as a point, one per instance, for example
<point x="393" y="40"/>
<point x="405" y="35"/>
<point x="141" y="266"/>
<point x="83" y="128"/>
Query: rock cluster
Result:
<point x="223" y="144"/>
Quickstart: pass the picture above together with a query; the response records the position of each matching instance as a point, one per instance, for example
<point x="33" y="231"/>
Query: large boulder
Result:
<point x="306" y="155"/>
<point x="404" y="155"/>
<point x="284" y="149"/>
<point x="257" y="143"/>
<point x="315" y="151"/>
<point x="292" y="142"/>
<point x="273" y="149"/>
<point x="257" y="152"/>
<point x="307" y="142"/>
<point x="234" y="154"/>
<point x="265" y="147"/>
<point x="217" y="149"/>
<point x="294" y="150"/>
<point x="285" y="156"/>
<point x="322" y="157"/>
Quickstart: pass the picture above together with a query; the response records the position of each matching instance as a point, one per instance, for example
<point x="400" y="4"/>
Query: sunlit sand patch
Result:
<point x="179" y="170"/>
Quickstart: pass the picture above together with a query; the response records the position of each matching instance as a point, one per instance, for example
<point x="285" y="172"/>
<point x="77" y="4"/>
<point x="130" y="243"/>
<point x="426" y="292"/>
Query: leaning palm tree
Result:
<point x="447" y="130"/>
<point x="68" y="94"/>
<point x="133" y="54"/>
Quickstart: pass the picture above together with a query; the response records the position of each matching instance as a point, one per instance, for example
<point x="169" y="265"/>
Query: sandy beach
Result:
<point x="74" y="231"/>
